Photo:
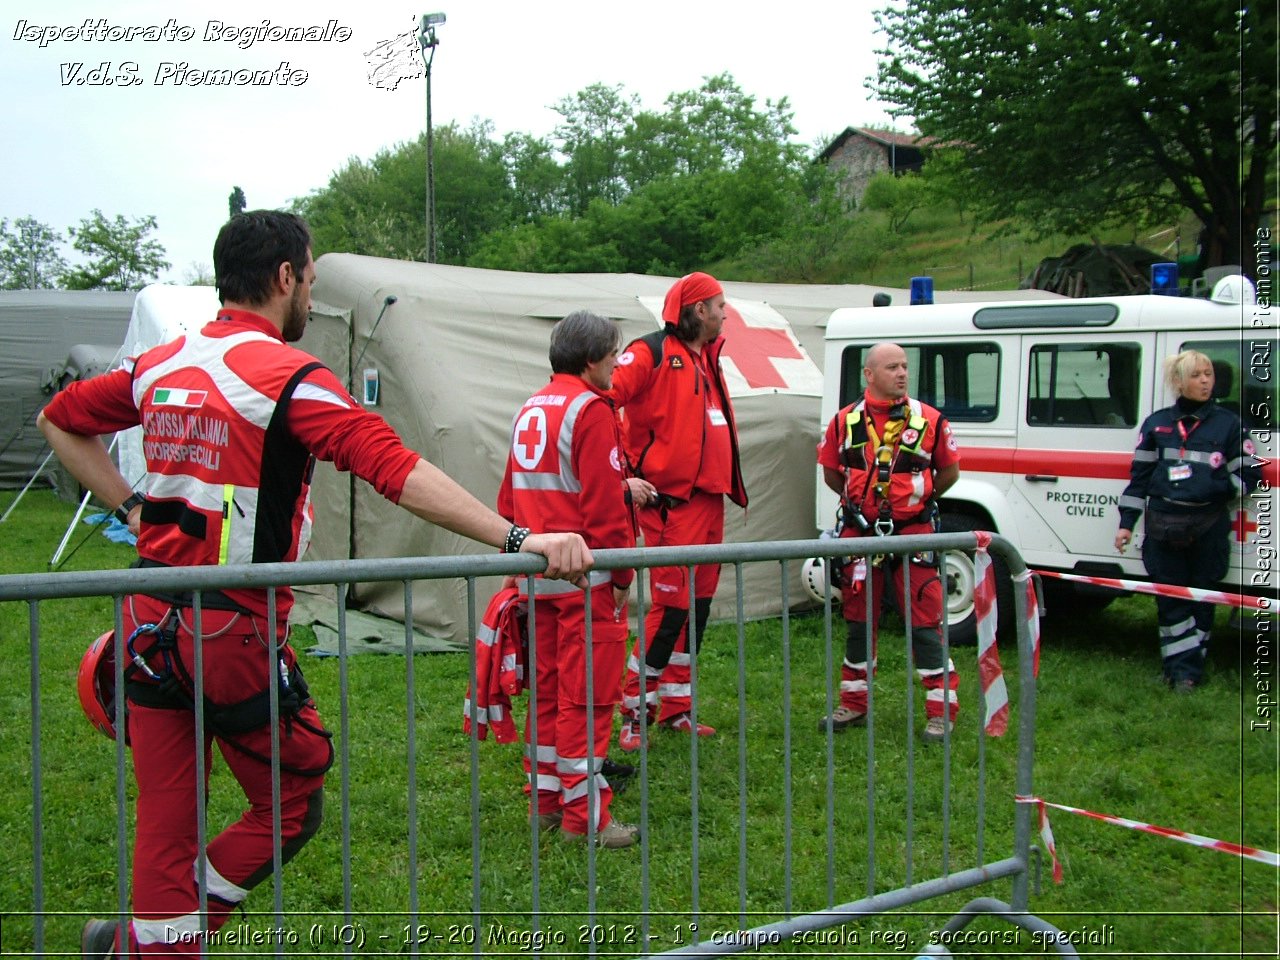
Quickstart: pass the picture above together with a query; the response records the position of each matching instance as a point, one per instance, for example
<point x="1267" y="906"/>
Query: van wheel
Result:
<point x="959" y="578"/>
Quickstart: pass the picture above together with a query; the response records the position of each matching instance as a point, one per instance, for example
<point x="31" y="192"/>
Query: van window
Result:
<point x="1252" y="396"/>
<point x="960" y="379"/>
<point x="1083" y="385"/>
<point x="1046" y="315"/>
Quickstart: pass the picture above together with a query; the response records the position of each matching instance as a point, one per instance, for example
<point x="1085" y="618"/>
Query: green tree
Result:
<point x="718" y="126"/>
<point x="120" y="254"/>
<point x="29" y="256"/>
<point x="236" y="203"/>
<point x="591" y="135"/>
<point x="1076" y="115"/>
<point x="378" y="207"/>
<point x="374" y="207"/>
<point x="536" y="180"/>
<point x="198" y="274"/>
<point x="897" y="196"/>
<point x="612" y="190"/>
<point x="473" y="194"/>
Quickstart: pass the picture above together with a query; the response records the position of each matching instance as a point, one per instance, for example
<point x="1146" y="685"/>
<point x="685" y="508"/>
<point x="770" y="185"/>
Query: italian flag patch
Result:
<point x="168" y="397"/>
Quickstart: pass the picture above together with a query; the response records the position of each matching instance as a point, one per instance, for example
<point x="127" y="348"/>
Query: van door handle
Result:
<point x="1040" y="478"/>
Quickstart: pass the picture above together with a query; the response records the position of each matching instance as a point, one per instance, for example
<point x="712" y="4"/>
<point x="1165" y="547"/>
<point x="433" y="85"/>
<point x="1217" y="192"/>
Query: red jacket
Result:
<point x="502" y="647"/>
<point x="231" y="418"/>
<point x="659" y="386"/>
<point x="565" y="470"/>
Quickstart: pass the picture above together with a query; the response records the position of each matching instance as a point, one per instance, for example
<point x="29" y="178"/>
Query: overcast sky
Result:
<point x="150" y="144"/>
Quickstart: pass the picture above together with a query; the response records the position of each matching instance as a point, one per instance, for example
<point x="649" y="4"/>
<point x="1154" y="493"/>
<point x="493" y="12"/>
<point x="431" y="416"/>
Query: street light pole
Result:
<point x="427" y="41"/>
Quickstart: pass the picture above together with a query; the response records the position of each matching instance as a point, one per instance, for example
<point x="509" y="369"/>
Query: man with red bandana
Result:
<point x="680" y="436"/>
<point x="233" y="419"/>
<point x="890" y="457"/>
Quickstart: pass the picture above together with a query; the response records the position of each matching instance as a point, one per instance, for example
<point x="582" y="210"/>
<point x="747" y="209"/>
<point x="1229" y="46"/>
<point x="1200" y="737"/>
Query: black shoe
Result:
<point x="612" y="769"/>
<point x="618" y="774"/>
<point x="98" y="939"/>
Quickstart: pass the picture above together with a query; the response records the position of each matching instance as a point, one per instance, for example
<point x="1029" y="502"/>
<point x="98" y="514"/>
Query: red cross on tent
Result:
<point x="761" y="353"/>
<point x="753" y="350"/>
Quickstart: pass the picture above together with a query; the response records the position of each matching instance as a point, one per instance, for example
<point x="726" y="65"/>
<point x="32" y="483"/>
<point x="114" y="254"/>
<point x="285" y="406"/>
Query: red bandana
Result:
<point x="691" y="289"/>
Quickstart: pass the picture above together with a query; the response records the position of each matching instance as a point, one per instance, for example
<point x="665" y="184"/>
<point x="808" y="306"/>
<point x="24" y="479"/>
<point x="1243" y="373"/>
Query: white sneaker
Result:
<point x="613" y="837"/>
<point x="842" y="718"/>
<point x="936" y="729"/>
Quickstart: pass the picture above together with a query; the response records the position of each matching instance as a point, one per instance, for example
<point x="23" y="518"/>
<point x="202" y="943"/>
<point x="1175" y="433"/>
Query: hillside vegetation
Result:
<point x="938" y="240"/>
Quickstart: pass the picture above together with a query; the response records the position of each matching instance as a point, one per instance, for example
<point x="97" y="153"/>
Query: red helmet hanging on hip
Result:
<point x="96" y="683"/>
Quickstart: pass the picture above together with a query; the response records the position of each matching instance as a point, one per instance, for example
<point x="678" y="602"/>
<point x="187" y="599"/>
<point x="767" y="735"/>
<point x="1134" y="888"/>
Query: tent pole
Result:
<point x="84" y="502"/>
<point x="21" y="493"/>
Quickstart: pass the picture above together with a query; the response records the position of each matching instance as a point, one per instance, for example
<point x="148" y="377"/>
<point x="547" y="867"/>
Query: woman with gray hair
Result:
<point x="1192" y="461"/>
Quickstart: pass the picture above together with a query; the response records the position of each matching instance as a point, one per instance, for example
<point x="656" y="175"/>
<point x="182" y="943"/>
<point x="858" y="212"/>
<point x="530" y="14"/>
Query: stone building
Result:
<point x="861" y="153"/>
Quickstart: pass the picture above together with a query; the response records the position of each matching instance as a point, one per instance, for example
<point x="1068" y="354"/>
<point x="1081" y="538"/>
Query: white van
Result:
<point x="1045" y="398"/>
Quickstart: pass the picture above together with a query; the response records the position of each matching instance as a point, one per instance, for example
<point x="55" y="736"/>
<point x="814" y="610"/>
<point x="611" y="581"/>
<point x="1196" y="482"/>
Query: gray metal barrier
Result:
<point x="640" y="914"/>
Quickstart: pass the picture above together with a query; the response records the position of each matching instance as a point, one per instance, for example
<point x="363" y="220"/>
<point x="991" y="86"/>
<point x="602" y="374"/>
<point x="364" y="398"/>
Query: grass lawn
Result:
<point x="1110" y="739"/>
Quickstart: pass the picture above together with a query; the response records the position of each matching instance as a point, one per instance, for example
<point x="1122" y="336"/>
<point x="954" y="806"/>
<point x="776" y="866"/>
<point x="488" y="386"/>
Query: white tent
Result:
<point x="161" y="313"/>
<point x="450" y="353"/>
<point x="454" y="351"/>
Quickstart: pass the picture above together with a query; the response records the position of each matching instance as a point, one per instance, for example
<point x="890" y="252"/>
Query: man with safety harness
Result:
<point x="890" y="457"/>
<point x="681" y="437"/>
<point x="233" y="419"/>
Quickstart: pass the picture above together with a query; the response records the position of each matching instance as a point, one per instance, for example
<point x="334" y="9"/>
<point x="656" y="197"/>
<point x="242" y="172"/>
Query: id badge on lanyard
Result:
<point x="1182" y="471"/>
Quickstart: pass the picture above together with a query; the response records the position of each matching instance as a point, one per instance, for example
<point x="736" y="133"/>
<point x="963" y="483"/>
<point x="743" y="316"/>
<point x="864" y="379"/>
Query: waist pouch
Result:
<point x="1180" y="530"/>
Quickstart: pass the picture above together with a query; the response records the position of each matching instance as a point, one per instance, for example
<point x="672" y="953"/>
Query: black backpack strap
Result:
<point x="656" y="342"/>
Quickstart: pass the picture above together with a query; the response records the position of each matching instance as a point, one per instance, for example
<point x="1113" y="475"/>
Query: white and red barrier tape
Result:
<point x="1033" y="618"/>
<point x="1046" y="835"/>
<point x="1169" y="590"/>
<point x="995" y="695"/>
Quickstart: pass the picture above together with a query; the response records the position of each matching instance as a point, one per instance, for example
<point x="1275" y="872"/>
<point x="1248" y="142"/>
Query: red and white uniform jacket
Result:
<point x="502" y="647"/>
<point x="679" y="428"/>
<point x="852" y="443"/>
<point x="232" y="420"/>
<point x="565" y="473"/>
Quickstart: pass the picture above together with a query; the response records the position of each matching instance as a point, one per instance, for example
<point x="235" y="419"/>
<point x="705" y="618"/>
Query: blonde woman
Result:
<point x="1192" y="460"/>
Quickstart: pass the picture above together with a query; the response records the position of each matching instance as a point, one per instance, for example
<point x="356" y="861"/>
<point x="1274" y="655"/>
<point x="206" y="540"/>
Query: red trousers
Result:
<point x="665" y="659"/>
<point x="565" y="707"/>
<point x="237" y="664"/>
<point x="926" y="630"/>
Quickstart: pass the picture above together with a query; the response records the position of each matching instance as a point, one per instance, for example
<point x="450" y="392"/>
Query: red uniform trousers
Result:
<point x="565" y="711"/>
<point x="166" y="919"/>
<point x="666" y="626"/>
<point x="926" y="631"/>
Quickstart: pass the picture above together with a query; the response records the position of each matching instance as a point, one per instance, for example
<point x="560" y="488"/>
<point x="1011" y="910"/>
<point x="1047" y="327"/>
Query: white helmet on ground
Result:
<point x="814" y="574"/>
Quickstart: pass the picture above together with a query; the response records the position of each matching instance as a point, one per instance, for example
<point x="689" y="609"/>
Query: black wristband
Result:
<point x="515" y="539"/>
<point x="122" y="511"/>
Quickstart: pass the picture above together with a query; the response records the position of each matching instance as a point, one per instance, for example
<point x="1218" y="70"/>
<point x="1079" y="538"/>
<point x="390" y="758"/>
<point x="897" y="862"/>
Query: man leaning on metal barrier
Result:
<point x="233" y="419"/>
<point x="890" y="457"/>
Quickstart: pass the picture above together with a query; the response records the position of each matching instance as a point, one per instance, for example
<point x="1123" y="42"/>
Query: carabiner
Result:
<point x="138" y="660"/>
